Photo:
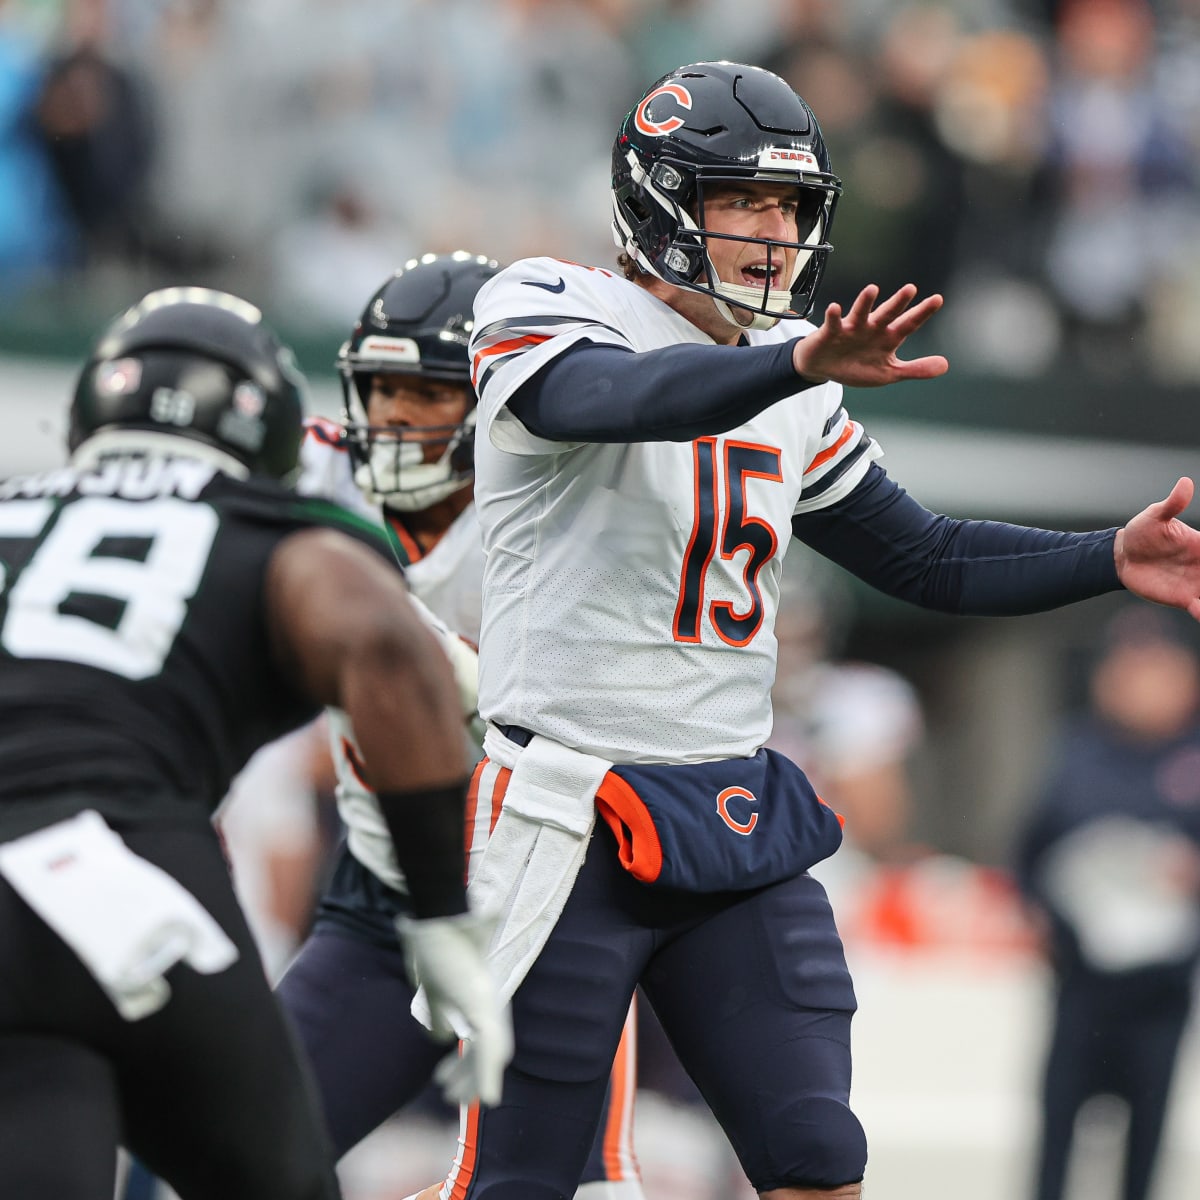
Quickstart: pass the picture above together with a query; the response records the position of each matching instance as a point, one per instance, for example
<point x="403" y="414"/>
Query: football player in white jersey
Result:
<point x="404" y="457"/>
<point x="649" y="441"/>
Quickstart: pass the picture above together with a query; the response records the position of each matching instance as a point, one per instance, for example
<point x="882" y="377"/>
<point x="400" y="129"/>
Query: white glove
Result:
<point x="448" y="957"/>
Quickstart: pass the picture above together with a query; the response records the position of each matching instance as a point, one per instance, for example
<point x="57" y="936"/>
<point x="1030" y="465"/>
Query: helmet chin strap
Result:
<point x="776" y="298"/>
<point x="421" y="498"/>
<point x="424" y="483"/>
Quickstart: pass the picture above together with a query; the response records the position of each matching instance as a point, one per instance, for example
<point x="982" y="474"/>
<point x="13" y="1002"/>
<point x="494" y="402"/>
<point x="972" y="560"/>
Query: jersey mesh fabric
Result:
<point x="632" y="571"/>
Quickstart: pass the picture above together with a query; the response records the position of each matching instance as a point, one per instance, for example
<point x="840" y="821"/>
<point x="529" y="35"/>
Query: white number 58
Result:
<point x="152" y="591"/>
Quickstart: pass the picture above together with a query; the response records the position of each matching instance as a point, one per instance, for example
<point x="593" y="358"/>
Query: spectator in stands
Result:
<point x="1110" y="857"/>
<point x="1118" y="181"/>
<point x="34" y="232"/>
<point x="94" y="122"/>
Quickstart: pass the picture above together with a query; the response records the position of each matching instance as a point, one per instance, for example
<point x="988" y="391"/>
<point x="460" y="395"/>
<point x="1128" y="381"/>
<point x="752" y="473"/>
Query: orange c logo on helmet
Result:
<point x="745" y="828"/>
<point x="661" y="128"/>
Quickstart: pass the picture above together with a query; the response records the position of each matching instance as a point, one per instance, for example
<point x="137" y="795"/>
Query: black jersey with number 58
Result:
<point x="136" y="672"/>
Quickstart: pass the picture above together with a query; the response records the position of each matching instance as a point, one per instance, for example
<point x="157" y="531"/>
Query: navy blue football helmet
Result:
<point x="417" y="323"/>
<point x="720" y="123"/>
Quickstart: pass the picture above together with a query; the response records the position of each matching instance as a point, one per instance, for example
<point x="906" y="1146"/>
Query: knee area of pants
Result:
<point x="829" y="1146"/>
<point x="519" y="1191"/>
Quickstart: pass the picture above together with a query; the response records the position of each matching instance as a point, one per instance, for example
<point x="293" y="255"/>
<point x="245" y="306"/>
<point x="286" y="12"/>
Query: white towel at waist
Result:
<point x="534" y="853"/>
<point x="126" y="919"/>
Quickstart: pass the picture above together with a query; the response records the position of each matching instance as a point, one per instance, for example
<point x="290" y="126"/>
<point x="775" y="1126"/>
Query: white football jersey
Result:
<point x="326" y="469"/>
<point x="447" y="581"/>
<point x="630" y="590"/>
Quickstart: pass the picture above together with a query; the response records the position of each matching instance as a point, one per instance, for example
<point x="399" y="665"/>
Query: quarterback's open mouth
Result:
<point x="761" y="275"/>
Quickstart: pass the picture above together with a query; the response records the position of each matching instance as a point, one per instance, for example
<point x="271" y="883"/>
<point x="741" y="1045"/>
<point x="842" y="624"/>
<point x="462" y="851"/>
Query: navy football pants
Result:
<point x="348" y="996"/>
<point x="753" y="992"/>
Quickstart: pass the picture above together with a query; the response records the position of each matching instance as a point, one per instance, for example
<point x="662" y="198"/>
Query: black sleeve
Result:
<point x="595" y="393"/>
<point x="428" y="835"/>
<point x="975" y="568"/>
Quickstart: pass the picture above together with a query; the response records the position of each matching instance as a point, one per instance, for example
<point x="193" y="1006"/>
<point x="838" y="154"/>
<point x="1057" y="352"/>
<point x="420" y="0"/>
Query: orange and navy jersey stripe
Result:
<point x="503" y="341"/>
<point x="463" y="1168"/>
<point x="497" y="343"/>
<point x="620" y="1162"/>
<point x="844" y="442"/>
<point x="616" y="1124"/>
<point x="485" y="796"/>
<point x="329" y="433"/>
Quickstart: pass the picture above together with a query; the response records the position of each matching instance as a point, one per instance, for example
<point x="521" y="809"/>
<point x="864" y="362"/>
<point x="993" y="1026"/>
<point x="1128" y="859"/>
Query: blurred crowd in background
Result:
<point x="1038" y="161"/>
<point x="1037" y="157"/>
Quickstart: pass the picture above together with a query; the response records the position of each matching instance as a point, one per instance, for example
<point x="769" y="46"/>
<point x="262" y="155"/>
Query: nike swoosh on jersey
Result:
<point x="549" y="287"/>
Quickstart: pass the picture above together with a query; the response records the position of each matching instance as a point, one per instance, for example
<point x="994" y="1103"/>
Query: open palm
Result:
<point x="858" y="349"/>
<point x="1158" y="555"/>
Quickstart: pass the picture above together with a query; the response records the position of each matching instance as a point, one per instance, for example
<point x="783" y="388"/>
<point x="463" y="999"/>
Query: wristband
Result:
<point x="428" y="834"/>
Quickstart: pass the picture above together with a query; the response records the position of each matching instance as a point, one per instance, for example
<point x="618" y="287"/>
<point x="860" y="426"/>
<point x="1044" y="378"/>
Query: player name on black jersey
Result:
<point x="129" y="478"/>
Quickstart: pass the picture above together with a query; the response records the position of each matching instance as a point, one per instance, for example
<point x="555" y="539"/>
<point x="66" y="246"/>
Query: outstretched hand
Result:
<point x="859" y="348"/>
<point x="1158" y="556"/>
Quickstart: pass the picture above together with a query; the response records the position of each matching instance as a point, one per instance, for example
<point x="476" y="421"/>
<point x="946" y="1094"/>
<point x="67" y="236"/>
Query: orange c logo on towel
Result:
<point x="745" y="828"/>
<point x="660" y="128"/>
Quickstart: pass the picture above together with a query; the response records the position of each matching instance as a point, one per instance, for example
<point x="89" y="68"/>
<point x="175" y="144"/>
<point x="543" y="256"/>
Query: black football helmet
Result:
<point x="417" y="323"/>
<point x="720" y="122"/>
<point x="195" y="363"/>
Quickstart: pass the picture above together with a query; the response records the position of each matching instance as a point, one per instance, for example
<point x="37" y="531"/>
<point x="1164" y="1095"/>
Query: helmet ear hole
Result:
<point x="637" y="209"/>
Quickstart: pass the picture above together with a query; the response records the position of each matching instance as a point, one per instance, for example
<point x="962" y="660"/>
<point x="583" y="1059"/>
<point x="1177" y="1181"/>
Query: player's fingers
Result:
<point x="442" y="1023"/>
<point x="929" y="367"/>
<point x="453" y="1076"/>
<point x="471" y="1075"/>
<point x="863" y="303"/>
<point x="912" y="320"/>
<point x="886" y="311"/>
<point x="832" y="322"/>
<point x="491" y="1086"/>
<point x="1178" y="499"/>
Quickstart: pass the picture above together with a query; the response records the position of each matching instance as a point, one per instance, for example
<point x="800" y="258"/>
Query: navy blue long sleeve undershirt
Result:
<point x="595" y="393"/>
<point x="973" y="568"/>
<point x="879" y="533"/>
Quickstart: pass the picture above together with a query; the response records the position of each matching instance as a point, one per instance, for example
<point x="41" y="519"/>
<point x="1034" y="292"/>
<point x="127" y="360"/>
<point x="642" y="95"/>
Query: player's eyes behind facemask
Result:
<point x="711" y="125"/>
<point x="417" y="324"/>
